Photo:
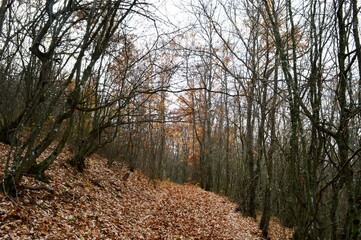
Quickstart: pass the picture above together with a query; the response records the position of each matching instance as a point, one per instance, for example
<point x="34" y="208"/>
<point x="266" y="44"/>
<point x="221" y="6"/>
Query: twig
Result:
<point x="37" y="188"/>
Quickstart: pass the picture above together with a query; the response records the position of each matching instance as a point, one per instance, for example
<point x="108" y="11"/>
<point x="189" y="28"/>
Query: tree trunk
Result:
<point x="267" y="206"/>
<point x="9" y="184"/>
<point x="38" y="169"/>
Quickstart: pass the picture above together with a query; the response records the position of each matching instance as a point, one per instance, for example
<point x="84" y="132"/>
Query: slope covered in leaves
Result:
<point x="104" y="203"/>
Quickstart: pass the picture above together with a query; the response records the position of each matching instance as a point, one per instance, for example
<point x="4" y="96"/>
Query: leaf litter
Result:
<point x="115" y="203"/>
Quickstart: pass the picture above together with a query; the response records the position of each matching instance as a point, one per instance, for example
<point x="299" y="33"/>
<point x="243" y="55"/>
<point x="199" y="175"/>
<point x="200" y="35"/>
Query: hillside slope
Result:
<point x="104" y="203"/>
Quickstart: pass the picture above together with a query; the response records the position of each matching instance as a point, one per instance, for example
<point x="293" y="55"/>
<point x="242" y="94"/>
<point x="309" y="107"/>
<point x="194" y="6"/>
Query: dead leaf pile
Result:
<point x="105" y="203"/>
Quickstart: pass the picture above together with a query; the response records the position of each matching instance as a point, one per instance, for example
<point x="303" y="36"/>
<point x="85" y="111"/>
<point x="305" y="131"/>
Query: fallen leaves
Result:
<point x="104" y="203"/>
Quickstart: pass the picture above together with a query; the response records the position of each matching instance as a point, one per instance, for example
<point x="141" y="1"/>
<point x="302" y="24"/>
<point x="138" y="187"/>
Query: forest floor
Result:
<point x="115" y="203"/>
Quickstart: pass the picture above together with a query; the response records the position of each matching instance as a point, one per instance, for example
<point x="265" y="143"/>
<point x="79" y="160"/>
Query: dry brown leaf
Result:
<point x="99" y="204"/>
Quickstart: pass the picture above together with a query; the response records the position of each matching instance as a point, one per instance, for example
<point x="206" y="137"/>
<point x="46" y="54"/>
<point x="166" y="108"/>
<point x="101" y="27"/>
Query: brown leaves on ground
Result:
<point x="104" y="203"/>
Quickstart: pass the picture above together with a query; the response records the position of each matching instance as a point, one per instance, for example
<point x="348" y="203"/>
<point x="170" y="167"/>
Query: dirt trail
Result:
<point x="104" y="203"/>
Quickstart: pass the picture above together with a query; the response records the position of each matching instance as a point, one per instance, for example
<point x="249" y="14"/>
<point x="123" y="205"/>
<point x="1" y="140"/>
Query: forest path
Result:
<point x="104" y="203"/>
